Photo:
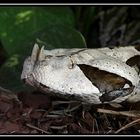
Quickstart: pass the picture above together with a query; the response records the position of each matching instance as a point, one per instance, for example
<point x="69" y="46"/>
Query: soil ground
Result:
<point x="37" y="113"/>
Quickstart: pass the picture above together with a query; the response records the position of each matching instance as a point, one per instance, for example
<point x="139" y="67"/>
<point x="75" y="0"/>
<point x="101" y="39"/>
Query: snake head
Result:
<point x="95" y="78"/>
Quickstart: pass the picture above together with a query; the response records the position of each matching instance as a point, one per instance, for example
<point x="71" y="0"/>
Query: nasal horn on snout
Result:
<point x="41" y="55"/>
<point x="35" y="52"/>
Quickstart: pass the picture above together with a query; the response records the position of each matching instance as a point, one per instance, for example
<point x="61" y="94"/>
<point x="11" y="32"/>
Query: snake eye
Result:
<point x="72" y="64"/>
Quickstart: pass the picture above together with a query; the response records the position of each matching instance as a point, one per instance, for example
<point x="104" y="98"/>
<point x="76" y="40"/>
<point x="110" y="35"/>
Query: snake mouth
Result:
<point x="29" y="80"/>
<point x="44" y="87"/>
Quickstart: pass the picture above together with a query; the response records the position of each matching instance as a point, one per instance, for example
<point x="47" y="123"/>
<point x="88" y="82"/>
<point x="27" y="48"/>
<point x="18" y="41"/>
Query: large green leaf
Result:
<point x="19" y="23"/>
<point x="54" y="36"/>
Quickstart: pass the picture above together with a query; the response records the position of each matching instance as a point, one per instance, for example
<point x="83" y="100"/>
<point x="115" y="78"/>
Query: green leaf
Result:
<point x="54" y="36"/>
<point x="19" y="23"/>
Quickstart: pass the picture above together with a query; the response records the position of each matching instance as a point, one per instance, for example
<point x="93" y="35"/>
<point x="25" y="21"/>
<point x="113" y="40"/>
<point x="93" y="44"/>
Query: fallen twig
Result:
<point x="5" y="93"/>
<point x="128" y="125"/>
<point x="132" y="113"/>
<point x="58" y="127"/>
<point x="36" y="128"/>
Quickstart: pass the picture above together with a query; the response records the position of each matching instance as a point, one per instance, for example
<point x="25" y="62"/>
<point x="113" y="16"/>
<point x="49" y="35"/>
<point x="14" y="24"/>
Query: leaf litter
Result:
<point x="38" y="113"/>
